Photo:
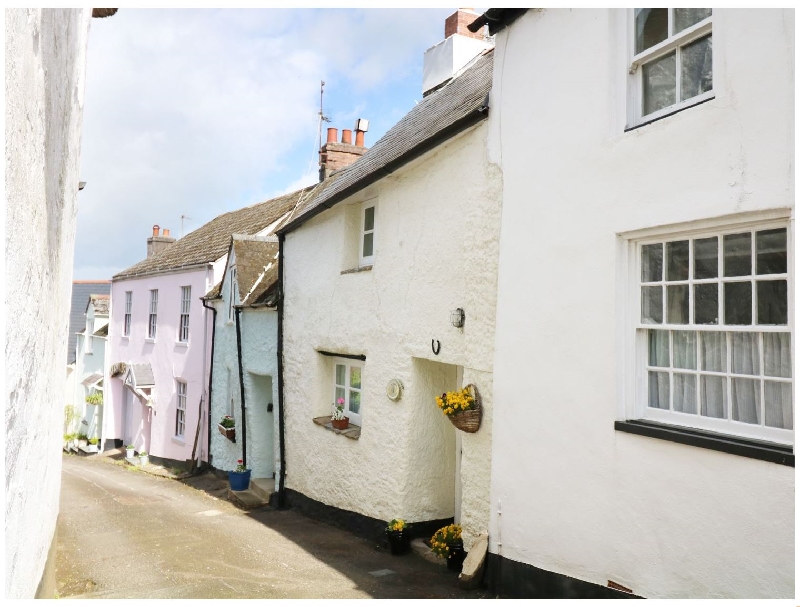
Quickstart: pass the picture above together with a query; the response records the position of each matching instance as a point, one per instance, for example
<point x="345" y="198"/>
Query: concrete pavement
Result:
<point x="127" y="534"/>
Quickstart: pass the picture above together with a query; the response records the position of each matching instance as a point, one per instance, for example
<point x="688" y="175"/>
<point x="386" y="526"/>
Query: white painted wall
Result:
<point x="90" y="420"/>
<point x="578" y="498"/>
<point x="45" y="61"/>
<point x="437" y="222"/>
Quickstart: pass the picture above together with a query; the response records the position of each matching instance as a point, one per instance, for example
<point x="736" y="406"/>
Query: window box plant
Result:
<point x="338" y="419"/>
<point x="144" y="459"/>
<point x="447" y="544"/>
<point x="129" y="451"/>
<point x="83" y="440"/>
<point x="239" y="478"/>
<point x="93" y="446"/>
<point x="95" y="398"/>
<point x="462" y="407"/>
<point x="227" y="428"/>
<point x="397" y="534"/>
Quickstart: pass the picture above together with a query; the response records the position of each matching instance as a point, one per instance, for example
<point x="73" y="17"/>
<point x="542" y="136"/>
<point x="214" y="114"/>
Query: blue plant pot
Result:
<point x="239" y="481"/>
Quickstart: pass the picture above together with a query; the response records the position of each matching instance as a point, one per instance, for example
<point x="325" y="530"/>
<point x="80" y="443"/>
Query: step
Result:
<point x="247" y="499"/>
<point x="263" y="487"/>
<point x="419" y="547"/>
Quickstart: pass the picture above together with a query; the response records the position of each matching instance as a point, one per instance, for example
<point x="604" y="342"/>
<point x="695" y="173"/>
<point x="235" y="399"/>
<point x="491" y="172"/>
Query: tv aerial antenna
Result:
<point x="182" y="218"/>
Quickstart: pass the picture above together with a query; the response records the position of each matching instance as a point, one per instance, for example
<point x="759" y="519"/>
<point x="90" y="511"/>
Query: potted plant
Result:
<point x="338" y="419"/>
<point x="227" y="427"/>
<point x="144" y="459"/>
<point x="73" y="440"/>
<point x="239" y="478"/>
<point x="129" y="451"/>
<point x="462" y="407"/>
<point x="397" y="534"/>
<point x="93" y="445"/>
<point x="95" y="398"/>
<point x="447" y="543"/>
<point x="82" y="440"/>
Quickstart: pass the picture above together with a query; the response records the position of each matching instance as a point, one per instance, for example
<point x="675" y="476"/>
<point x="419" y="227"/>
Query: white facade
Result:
<point x="89" y="373"/>
<point x="45" y="61"/>
<point x="570" y="494"/>
<point x="436" y="227"/>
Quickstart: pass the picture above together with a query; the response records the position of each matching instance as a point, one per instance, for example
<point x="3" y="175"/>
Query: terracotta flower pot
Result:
<point x="340" y="424"/>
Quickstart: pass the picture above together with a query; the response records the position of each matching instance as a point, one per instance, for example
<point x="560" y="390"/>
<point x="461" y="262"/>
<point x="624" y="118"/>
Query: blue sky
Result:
<point x="199" y="112"/>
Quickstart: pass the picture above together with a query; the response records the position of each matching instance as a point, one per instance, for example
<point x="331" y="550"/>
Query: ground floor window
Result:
<point x="180" y="413"/>
<point x="347" y="380"/>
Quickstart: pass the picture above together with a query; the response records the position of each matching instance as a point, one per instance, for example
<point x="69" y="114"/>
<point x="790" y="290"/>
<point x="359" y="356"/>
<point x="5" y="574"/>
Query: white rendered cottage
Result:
<point x="374" y="267"/>
<point x="643" y="420"/>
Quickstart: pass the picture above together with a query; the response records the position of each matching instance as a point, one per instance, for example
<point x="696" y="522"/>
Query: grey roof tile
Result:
<point x="81" y="291"/>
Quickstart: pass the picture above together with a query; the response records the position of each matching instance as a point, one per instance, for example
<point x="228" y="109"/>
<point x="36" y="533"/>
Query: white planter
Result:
<point x="144" y="459"/>
<point x="82" y="444"/>
<point x="129" y="453"/>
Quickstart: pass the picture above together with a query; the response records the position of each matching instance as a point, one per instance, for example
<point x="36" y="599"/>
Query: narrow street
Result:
<point x="123" y="533"/>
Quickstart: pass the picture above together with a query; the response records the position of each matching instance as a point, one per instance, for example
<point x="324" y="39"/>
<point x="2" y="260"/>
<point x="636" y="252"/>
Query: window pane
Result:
<point x="684" y="349"/>
<point x="737" y="254"/>
<point x="713" y="352"/>
<point x="339" y="394"/>
<point x="355" y="377"/>
<point x="705" y="257"/>
<point x="772" y="302"/>
<point x="658" y="83"/>
<point x="744" y="353"/>
<point x="678" y="304"/>
<point x="696" y="72"/>
<point x="340" y="370"/>
<point x="651" y="27"/>
<point x="652" y="310"/>
<point x="714" y="396"/>
<point x="686" y="17"/>
<point x="738" y="303"/>
<point x="706" y="305"/>
<point x="678" y="260"/>
<point x="652" y="262"/>
<point x="746" y="400"/>
<point x="685" y="393"/>
<point x="659" y="390"/>
<point x="658" y="346"/>
<point x="355" y="402"/>
<point x="368" y="245"/>
<point x="778" y="404"/>
<point x="771" y="251"/>
<point x="778" y="354"/>
<point x="369" y="219"/>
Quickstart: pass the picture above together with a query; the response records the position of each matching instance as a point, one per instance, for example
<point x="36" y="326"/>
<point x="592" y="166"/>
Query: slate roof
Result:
<point x="211" y="241"/>
<point x="256" y="271"/>
<point x="143" y="374"/>
<point x="460" y="103"/>
<point x="81" y="291"/>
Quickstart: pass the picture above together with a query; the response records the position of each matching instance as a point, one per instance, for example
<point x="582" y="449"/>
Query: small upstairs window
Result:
<point x="186" y="302"/>
<point x="366" y="253"/>
<point x="671" y="66"/>
<point x="233" y="293"/>
<point x="153" y="320"/>
<point x="126" y="327"/>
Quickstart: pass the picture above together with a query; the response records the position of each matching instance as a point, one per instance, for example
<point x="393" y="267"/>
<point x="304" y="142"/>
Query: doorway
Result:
<point x="260" y="426"/>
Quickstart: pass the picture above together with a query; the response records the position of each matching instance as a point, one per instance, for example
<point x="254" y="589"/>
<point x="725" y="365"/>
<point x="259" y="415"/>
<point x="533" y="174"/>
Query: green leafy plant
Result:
<point x="82" y="436"/>
<point x="396" y="524"/>
<point x="228" y="422"/>
<point x="240" y="467"/>
<point x="441" y="540"/>
<point x="70" y="415"/>
<point x="95" y="398"/>
<point x="142" y="453"/>
<point x="94" y="441"/>
<point x="130" y="447"/>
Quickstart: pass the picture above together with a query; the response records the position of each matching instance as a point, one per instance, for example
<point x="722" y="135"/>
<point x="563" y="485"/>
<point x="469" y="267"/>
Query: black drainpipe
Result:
<point x="211" y="371"/>
<point x="241" y="385"/>
<point x="281" y="428"/>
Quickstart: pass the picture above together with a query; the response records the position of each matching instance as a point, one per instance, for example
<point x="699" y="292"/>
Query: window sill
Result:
<point x="768" y="452"/>
<point x="181" y="344"/>
<point x="647" y="121"/>
<point x="355" y="270"/>
<point x="149" y="340"/>
<point x="125" y="337"/>
<point x="353" y="432"/>
<point x="179" y="441"/>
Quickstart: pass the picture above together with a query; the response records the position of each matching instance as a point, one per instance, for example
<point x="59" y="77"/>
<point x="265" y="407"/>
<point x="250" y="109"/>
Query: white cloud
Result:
<point x="198" y="112"/>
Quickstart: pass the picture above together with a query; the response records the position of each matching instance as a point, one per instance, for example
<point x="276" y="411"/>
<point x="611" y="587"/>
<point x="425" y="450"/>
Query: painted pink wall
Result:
<point x="169" y="359"/>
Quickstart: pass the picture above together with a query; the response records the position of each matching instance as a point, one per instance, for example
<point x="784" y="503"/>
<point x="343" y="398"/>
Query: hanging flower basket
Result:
<point x="463" y="408"/>
<point x="227" y="428"/>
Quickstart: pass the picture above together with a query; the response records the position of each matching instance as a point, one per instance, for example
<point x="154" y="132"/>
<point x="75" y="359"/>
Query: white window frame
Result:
<point x="636" y="346"/>
<point x="180" y="409"/>
<point x="231" y="404"/>
<point x="672" y="43"/>
<point x="367" y="260"/>
<point x="152" y="320"/>
<point x="126" y="325"/>
<point x="233" y="292"/>
<point x="183" y="324"/>
<point x="87" y="342"/>
<point x="349" y="363"/>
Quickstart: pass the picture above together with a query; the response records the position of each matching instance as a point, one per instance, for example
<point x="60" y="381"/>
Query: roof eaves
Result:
<point x="497" y="19"/>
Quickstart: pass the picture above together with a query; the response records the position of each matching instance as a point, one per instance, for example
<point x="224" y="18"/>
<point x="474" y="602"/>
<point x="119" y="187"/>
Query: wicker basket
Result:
<point x="469" y="421"/>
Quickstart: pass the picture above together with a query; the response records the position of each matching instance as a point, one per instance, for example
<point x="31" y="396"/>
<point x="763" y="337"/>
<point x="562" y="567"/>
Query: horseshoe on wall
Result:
<point x="436" y="346"/>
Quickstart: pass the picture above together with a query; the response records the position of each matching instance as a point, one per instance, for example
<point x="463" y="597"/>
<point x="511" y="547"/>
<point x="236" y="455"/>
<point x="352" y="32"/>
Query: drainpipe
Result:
<point x="241" y="384"/>
<point x="281" y="428"/>
<point x="210" y="370"/>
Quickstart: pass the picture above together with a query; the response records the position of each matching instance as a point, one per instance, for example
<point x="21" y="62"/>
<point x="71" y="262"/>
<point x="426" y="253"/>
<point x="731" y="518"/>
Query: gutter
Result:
<point x="241" y="384"/>
<point x="446" y="133"/>
<point x="210" y="370"/>
<point x="176" y="270"/>
<point x="281" y="424"/>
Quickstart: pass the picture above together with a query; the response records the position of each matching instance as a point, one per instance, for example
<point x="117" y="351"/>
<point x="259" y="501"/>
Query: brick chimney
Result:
<point x="336" y="155"/>
<point x="460" y="46"/>
<point x="157" y="243"/>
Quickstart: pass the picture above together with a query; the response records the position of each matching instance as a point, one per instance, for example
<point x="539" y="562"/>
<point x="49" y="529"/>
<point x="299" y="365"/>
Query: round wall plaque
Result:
<point x="394" y="389"/>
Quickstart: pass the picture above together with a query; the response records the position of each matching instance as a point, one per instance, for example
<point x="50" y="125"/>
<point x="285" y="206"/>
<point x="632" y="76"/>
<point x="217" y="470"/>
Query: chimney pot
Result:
<point x="332" y="132"/>
<point x="347" y="136"/>
<point x="360" y="139"/>
<point x="155" y="230"/>
<point x="166" y="233"/>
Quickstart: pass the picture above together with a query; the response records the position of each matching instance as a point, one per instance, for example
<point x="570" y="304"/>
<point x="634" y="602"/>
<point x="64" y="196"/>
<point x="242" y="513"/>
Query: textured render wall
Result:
<point x="578" y="498"/>
<point x="259" y="329"/>
<point x="169" y="359"/>
<point x="45" y="59"/>
<point x="437" y="224"/>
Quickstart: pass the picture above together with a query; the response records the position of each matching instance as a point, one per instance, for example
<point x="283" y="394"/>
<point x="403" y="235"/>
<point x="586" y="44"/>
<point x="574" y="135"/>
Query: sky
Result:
<point x="200" y="112"/>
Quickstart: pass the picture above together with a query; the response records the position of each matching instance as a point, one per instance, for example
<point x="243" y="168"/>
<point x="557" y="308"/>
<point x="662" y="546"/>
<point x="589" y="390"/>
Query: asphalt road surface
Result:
<point x="126" y="534"/>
